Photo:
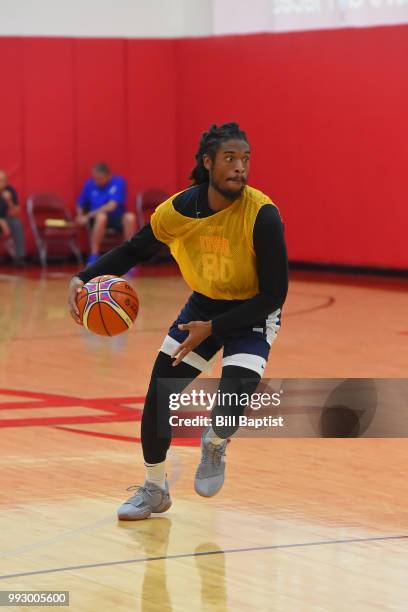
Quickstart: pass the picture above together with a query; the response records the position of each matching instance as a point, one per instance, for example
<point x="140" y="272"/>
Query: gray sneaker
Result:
<point x="209" y="476"/>
<point x="147" y="499"/>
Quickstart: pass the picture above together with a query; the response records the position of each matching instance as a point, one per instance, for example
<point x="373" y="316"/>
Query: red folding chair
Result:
<point x="52" y="226"/>
<point x="146" y="203"/>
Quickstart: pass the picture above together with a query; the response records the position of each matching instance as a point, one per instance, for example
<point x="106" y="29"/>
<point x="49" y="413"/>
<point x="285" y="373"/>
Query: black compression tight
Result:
<point x="156" y="431"/>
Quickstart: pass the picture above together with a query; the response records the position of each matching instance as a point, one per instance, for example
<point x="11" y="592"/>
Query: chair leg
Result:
<point x="42" y="252"/>
<point x="9" y="244"/>
<point x="76" y="252"/>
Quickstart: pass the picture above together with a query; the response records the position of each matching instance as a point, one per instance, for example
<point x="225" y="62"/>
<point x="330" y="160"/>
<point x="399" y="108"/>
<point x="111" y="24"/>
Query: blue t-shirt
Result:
<point x="93" y="197"/>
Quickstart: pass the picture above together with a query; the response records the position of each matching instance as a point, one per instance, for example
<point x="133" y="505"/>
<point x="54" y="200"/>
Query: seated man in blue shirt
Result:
<point x="102" y="204"/>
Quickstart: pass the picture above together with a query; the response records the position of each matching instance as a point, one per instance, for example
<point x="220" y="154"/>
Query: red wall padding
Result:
<point x="11" y="110"/>
<point x="152" y="122"/>
<point x="100" y="103"/>
<point x="48" y="117"/>
<point x="325" y="112"/>
<point x="72" y="102"/>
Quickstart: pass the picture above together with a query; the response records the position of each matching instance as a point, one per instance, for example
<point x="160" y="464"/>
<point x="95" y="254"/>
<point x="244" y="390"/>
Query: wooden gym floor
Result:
<point x="301" y="524"/>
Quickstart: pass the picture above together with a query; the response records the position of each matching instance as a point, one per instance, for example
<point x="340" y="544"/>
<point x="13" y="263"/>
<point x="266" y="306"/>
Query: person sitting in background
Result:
<point x="10" y="221"/>
<point x="101" y="204"/>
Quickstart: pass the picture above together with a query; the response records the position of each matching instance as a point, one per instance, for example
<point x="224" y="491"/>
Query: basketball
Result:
<point x="107" y="305"/>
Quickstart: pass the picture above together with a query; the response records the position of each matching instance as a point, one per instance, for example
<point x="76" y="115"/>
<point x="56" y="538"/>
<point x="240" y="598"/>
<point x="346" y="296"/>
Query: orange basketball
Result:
<point x="107" y="305"/>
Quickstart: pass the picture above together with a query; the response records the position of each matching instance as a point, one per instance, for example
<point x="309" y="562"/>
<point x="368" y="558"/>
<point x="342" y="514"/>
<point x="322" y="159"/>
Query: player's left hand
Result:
<point x="198" y="332"/>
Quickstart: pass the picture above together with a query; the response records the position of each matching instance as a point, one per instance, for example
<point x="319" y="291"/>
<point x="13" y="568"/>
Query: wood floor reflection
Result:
<point x="300" y="525"/>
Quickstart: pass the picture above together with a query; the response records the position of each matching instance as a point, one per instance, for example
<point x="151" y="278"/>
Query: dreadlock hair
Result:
<point x="209" y="144"/>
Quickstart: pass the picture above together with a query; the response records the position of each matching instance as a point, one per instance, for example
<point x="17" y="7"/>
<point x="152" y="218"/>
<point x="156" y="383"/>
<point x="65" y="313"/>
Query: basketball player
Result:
<point x="228" y="241"/>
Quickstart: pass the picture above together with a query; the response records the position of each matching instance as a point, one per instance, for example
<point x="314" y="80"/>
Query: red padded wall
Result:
<point x="73" y="102"/>
<point x="11" y="111"/>
<point x="152" y="121"/>
<point x="326" y="115"/>
<point x="48" y="119"/>
<point x="100" y="102"/>
<point x="325" y="112"/>
<point x="48" y="114"/>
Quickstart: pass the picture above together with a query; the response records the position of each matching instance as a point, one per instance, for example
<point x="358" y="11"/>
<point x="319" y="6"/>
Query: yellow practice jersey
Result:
<point x="215" y="253"/>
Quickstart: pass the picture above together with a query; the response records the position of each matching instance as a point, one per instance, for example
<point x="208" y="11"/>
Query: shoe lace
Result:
<point x="213" y="455"/>
<point x="139" y="489"/>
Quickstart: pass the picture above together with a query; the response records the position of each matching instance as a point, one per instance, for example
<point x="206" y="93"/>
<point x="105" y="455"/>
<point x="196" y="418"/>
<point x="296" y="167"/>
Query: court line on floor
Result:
<point x="202" y="554"/>
<point x="87" y="529"/>
<point x="329" y="301"/>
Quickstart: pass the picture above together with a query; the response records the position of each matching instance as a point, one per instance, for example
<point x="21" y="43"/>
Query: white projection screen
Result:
<point x="239" y="16"/>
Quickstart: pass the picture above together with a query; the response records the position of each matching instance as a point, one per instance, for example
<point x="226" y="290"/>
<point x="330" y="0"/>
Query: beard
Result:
<point x="228" y="194"/>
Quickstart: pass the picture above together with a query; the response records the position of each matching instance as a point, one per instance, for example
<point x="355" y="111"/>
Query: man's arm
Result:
<point x="141" y="247"/>
<point x="83" y="205"/>
<point x="272" y="267"/>
<point x="106" y="208"/>
<point x="118" y="200"/>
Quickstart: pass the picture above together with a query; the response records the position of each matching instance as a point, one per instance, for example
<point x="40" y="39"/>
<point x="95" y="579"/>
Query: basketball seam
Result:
<point x="103" y="322"/>
<point x="123" y="292"/>
<point x="119" y="315"/>
<point x="135" y="298"/>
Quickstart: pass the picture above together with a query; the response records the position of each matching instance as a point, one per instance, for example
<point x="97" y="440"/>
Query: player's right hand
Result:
<point x="75" y="287"/>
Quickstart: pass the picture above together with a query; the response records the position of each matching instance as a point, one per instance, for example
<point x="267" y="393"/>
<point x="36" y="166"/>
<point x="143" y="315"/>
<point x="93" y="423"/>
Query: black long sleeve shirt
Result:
<point x="271" y="262"/>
